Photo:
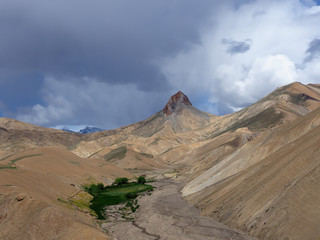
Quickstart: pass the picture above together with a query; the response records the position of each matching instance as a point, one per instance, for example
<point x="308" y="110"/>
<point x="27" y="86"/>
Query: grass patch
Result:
<point x="118" y="153"/>
<point x="7" y="166"/>
<point x="27" y="156"/>
<point x="113" y="195"/>
<point x="2" y="159"/>
<point x="10" y="165"/>
<point x="80" y="201"/>
<point x="75" y="163"/>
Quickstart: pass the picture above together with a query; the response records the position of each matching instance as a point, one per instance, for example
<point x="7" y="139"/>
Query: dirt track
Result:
<point x="165" y="215"/>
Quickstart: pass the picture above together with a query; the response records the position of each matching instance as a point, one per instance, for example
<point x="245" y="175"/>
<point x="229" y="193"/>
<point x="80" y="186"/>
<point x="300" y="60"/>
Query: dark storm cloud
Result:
<point x="114" y="62"/>
<point x="236" y="47"/>
<point x="314" y="50"/>
<point x="114" y="41"/>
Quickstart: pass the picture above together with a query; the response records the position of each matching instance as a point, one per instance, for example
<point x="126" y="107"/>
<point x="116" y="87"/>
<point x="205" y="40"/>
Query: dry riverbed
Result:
<point x="165" y="215"/>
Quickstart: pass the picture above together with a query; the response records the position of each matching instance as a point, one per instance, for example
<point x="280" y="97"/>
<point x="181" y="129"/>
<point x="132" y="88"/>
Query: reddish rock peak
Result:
<point x="175" y="101"/>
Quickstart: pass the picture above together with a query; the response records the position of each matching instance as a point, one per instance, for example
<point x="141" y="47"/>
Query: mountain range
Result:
<point x="255" y="170"/>
<point x="88" y="129"/>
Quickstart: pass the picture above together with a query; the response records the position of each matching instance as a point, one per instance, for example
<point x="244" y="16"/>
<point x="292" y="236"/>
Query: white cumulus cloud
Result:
<point x="88" y="101"/>
<point x="270" y="39"/>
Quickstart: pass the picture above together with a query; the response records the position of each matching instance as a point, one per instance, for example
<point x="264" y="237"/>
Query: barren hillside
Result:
<point x="37" y="189"/>
<point x="255" y="170"/>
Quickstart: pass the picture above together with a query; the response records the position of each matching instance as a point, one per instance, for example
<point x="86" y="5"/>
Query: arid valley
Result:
<point x="252" y="174"/>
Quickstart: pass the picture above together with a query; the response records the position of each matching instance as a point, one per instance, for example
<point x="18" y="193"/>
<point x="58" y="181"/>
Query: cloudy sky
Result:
<point x="109" y="63"/>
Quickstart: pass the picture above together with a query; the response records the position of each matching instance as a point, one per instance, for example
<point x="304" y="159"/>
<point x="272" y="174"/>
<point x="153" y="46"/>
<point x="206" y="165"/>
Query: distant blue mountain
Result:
<point x="84" y="130"/>
<point x="90" y="130"/>
<point x="67" y="130"/>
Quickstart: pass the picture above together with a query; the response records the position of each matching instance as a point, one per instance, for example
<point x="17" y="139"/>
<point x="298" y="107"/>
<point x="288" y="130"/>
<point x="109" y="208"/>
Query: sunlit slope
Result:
<point x="210" y="154"/>
<point x="126" y="157"/>
<point x="46" y="179"/>
<point x="56" y="164"/>
<point x="270" y="186"/>
<point x="12" y="124"/>
<point x="18" y="136"/>
<point x="251" y="169"/>
<point x="23" y="217"/>
<point x="226" y="135"/>
<point x="179" y="123"/>
<point x="283" y="105"/>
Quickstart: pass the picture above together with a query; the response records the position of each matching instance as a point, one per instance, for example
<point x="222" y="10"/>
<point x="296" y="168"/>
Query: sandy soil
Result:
<point x="165" y="215"/>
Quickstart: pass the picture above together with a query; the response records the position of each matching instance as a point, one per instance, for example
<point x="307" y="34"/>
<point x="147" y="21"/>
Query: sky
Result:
<point x="109" y="63"/>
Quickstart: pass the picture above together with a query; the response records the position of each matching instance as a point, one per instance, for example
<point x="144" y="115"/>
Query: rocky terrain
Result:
<point x="166" y="215"/>
<point x="254" y="173"/>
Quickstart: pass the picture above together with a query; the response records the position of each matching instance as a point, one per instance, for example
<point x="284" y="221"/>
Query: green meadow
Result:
<point x="113" y="195"/>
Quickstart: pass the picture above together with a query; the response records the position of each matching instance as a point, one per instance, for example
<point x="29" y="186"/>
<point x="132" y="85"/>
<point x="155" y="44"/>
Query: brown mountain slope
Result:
<point x="177" y="133"/>
<point x="283" y="105"/>
<point x="47" y="179"/>
<point x="23" y="217"/>
<point x="12" y="124"/>
<point x="227" y="134"/>
<point x="212" y="152"/>
<point x="248" y="169"/>
<point x="179" y="123"/>
<point x="54" y="163"/>
<point x="178" y="114"/>
<point x="126" y="157"/>
<point x="270" y="186"/>
<point x="176" y="124"/>
<point x="18" y="136"/>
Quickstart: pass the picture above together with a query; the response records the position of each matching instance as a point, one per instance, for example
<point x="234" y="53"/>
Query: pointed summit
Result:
<point x="175" y="101"/>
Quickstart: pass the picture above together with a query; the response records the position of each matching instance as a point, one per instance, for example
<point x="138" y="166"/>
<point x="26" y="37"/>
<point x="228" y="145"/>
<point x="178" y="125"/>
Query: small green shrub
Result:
<point x="100" y="186"/>
<point x="131" y="195"/>
<point x="94" y="189"/>
<point x="142" y="180"/>
<point x="120" y="181"/>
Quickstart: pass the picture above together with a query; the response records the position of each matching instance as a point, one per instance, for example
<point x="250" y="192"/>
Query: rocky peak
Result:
<point x="175" y="101"/>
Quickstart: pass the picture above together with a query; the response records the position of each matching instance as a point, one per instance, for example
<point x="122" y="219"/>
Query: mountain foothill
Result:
<point x="256" y="171"/>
